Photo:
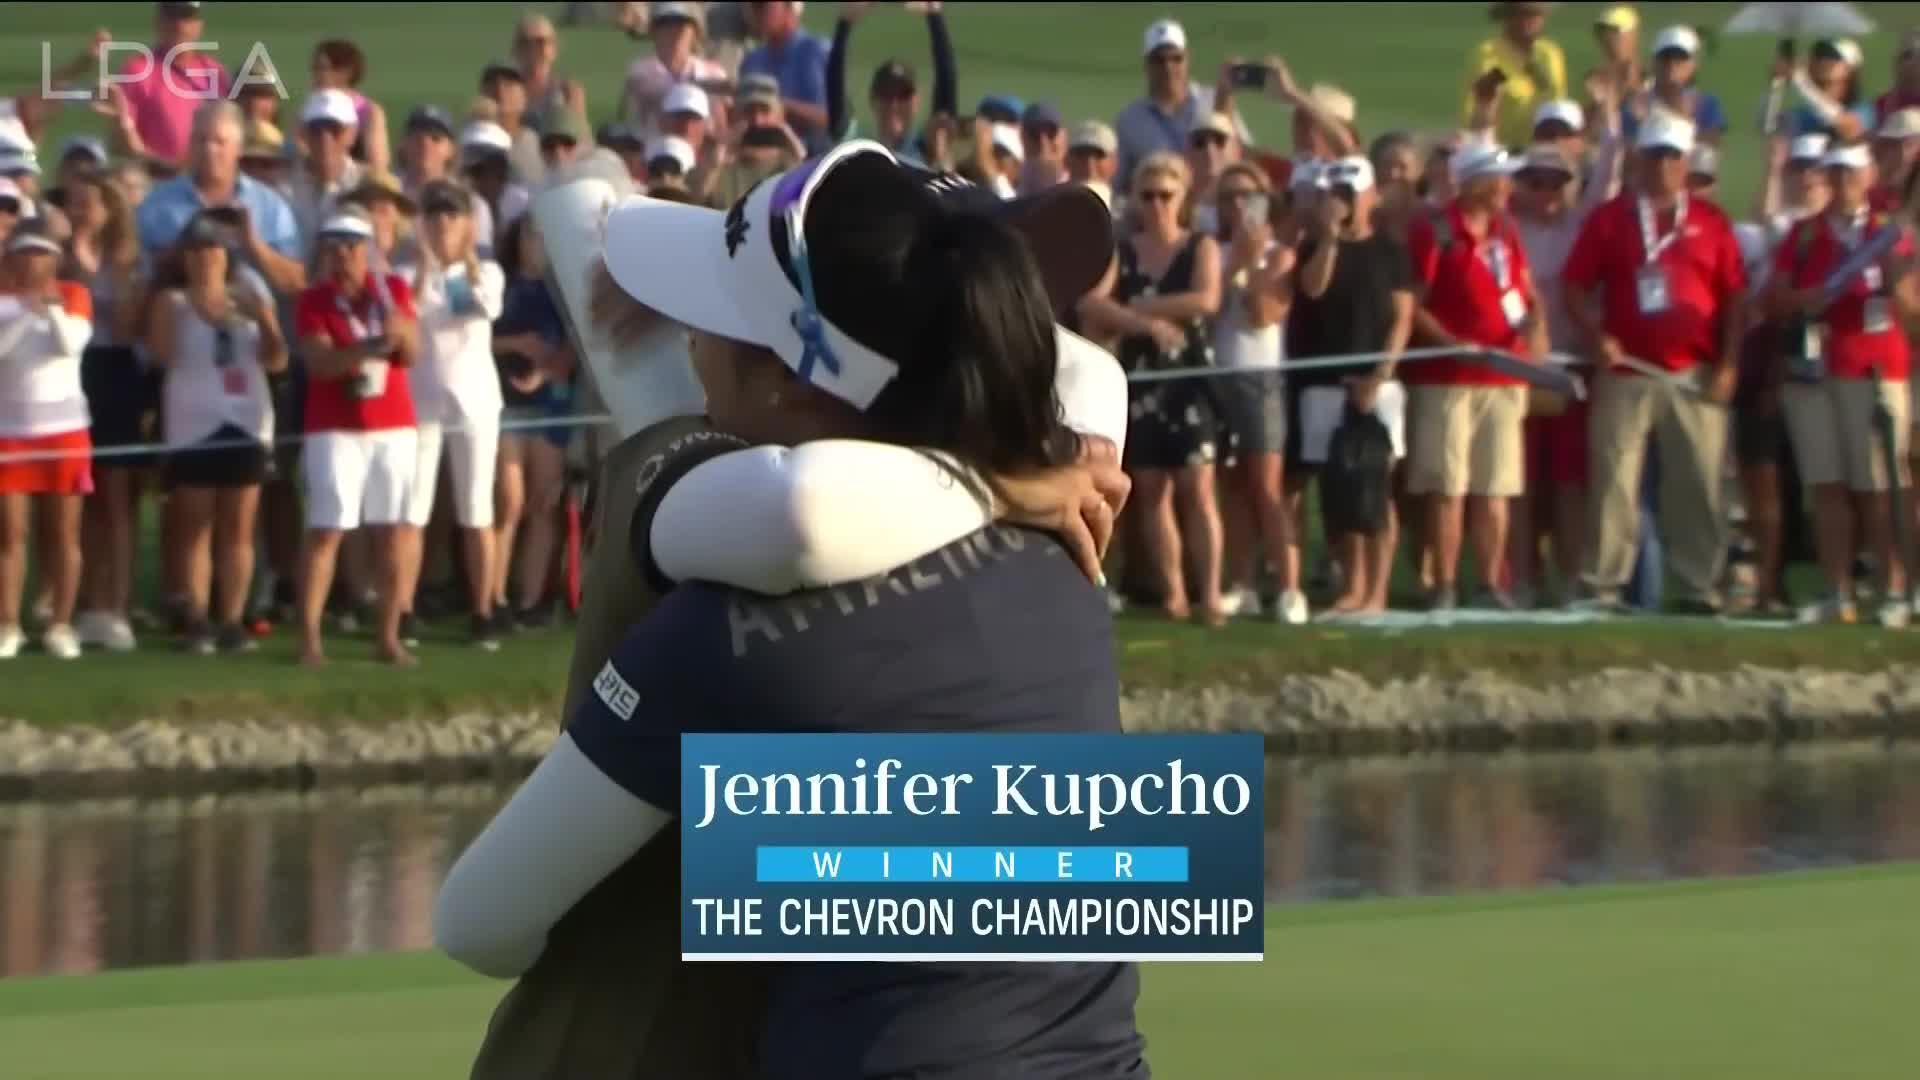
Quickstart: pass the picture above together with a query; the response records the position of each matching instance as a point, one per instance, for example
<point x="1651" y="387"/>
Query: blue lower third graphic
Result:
<point x="971" y="847"/>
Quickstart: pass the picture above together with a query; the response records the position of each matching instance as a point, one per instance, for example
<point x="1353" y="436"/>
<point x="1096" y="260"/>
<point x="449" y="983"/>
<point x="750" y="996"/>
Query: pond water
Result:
<point x="87" y="886"/>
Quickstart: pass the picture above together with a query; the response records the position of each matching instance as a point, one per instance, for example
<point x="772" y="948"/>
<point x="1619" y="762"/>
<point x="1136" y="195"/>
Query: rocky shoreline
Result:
<point x="1306" y="715"/>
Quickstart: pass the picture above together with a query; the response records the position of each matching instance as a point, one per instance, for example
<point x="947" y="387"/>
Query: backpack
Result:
<point x="1356" y="481"/>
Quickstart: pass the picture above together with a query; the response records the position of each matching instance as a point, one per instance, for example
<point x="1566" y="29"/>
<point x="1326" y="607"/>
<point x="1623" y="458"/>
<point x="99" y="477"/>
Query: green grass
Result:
<point x="1405" y="62"/>
<point x="1779" y="977"/>
<point x="530" y="670"/>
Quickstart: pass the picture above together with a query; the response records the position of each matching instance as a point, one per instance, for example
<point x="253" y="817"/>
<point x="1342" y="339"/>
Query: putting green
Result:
<point x="1788" y="976"/>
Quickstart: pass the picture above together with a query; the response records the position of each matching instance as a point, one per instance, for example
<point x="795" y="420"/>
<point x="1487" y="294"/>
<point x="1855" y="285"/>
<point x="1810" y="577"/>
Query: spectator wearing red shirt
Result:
<point x="169" y="85"/>
<point x="1465" y="452"/>
<point x="355" y="327"/>
<point x="1832" y="394"/>
<point x="1671" y="284"/>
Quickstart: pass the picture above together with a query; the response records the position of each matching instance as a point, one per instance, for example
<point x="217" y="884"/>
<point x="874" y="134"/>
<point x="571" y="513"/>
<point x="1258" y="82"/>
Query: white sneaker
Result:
<point x="1895" y="614"/>
<point x="1291" y="609"/>
<point x="10" y="641"/>
<point x="1235" y="603"/>
<point x="119" y="636"/>
<point x="61" y="643"/>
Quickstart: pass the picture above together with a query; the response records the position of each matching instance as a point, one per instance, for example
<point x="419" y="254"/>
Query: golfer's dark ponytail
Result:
<point x="978" y="380"/>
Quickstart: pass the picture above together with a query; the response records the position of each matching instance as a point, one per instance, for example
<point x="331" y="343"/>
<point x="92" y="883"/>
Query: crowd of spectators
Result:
<point x="299" y="327"/>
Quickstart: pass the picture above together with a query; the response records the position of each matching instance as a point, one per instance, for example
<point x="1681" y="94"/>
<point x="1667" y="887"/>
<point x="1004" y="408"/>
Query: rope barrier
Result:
<point x="1552" y="370"/>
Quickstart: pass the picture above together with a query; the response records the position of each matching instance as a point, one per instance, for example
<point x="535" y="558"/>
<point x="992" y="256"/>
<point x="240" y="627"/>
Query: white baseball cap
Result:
<point x="675" y="147"/>
<point x="1165" y="34"/>
<point x="1663" y="130"/>
<point x="1683" y="38"/>
<point x="486" y="135"/>
<point x="1007" y="137"/>
<point x="1563" y="111"/>
<point x="1473" y="162"/>
<point x="353" y="225"/>
<point x="1805" y="148"/>
<point x="1848" y="49"/>
<point x="1355" y="172"/>
<point x="1704" y="160"/>
<point x="736" y="273"/>
<point x="687" y="98"/>
<point x="332" y="106"/>
<point x="18" y="160"/>
<point x="1856" y="156"/>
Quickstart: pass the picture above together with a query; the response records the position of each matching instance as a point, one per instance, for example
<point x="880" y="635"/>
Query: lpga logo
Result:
<point x="180" y="77"/>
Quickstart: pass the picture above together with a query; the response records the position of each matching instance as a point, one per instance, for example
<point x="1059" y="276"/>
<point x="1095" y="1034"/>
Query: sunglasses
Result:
<point x="10" y="205"/>
<point x="1663" y="153"/>
<point x="1161" y="195"/>
<point x="665" y="167"/>
<point x="1701" y="181"/>
<point x="1167" y="59"/>
<point x="525" y="41"/>
<point x="439" y="209"/>
<point x="1543" y="181"/>
<point x="222" y="346"/>
<point x="1237" y="194"/>
<point x="1208" y="139"/>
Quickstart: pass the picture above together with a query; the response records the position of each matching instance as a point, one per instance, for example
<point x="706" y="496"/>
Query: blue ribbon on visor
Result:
<point x="806" y="321"/>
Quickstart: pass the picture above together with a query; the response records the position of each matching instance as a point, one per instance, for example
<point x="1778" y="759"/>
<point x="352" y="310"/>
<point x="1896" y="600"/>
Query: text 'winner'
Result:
<point x="971" y="847"/>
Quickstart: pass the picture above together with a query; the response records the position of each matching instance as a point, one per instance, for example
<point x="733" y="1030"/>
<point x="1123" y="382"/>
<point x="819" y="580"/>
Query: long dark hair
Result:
<point x="958" y="301"/>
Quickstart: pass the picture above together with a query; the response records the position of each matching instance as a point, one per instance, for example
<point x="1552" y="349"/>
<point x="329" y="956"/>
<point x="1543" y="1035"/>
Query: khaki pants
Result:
<point x="1466" y="440"/>
<point x="610" y="998"/>
<point x="1691" y="435"/>
<point x="1835" y="437"/>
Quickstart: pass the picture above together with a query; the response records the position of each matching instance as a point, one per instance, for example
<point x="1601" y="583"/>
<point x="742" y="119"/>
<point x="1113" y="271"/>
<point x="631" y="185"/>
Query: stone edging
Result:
<point x="1306" y="714"/>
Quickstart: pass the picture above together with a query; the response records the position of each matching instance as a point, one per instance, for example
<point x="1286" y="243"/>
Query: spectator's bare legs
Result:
<point x="1153" y="494"/>
<point x="233" y="515"/>
<point x="107" y="536"/>
<point x="1876" y="522"/>
<point x="193" y="530"/>
<point x="317" y="555"/>
<point x="1379" y="560"/>
<point x="389" y="566"/>
<point x="57" y="520"/>
<point x="1418" y="515"/>
<point x="1760" y="487"/>
<point x="1198" y="505"/>
<point x="409" y="545"/>
<point x="13" y="557"/>
<point x="358" y="569"/>
<point x="1834" y="538"/>
<point x="1260" y="490"/>
<point x="545" y="472"/>
<point x="1444" y="519"/>
<point x="1487" y="520"/>
<point x="174" y="583"/>
<point x="1242" y="532"/>
<point x="510" y="500"/>
<point x="480" y="558"/>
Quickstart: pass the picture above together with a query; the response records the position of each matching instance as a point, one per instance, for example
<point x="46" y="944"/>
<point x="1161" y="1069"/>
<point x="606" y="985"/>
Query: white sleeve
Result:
<point x="491" y="289"/>
<point x="566" y="830"/>
<point x="776" y="520"/>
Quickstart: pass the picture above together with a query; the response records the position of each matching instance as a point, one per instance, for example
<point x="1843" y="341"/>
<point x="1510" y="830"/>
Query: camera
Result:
<point x="1249" y="76"/>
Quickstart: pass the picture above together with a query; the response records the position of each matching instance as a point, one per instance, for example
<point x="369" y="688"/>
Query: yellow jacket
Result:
<point x="1531" y="82"/>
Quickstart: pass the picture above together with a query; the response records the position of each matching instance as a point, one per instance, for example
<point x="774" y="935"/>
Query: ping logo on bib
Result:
<point x="614" y="690"/>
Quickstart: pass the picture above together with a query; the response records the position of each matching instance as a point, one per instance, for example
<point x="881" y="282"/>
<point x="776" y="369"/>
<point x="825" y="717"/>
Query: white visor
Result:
<point x="347" y="225"/>
<point x="721" y="273"/>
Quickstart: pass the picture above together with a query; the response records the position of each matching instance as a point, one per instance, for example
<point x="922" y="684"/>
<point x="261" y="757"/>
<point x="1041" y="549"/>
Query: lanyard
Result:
<point x="1498" y="258"/>
<point x="1852" y="233"/>
<point x="1650" y="240"/>
<point x="370" y="328"/>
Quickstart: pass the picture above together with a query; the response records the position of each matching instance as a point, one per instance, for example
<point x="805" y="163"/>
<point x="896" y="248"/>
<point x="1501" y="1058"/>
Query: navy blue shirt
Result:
<point x="996" y="632"/>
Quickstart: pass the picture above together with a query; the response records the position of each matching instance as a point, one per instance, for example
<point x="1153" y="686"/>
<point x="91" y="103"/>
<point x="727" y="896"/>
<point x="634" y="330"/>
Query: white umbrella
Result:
<point x="1794" y="20"/>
